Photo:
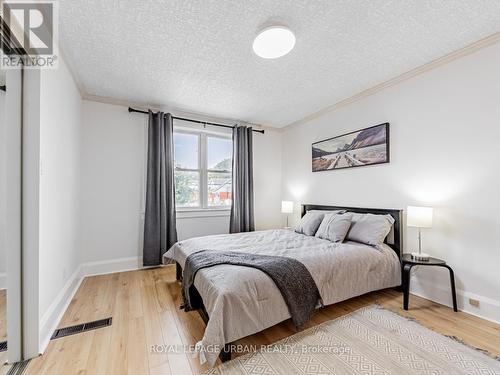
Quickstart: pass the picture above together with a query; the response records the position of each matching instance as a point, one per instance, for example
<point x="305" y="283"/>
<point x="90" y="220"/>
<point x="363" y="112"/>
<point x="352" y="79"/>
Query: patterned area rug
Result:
<point x="371" y="340"/>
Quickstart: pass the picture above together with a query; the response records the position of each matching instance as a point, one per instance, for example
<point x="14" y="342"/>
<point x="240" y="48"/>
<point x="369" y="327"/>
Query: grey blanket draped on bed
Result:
<point x="291" y="277"/>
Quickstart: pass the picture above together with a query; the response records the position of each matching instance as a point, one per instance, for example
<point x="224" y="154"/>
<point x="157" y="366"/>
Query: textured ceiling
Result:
<point x="197" y="55"/>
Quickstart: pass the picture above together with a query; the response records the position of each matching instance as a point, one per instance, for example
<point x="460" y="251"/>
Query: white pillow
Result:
<point x="334" y="227"/>
<point x="370" y="229"/>
<point x="310" y="222"/>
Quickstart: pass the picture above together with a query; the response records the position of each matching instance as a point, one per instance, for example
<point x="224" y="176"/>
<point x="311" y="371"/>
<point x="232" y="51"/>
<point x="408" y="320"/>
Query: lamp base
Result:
<point x="420" y="256"/>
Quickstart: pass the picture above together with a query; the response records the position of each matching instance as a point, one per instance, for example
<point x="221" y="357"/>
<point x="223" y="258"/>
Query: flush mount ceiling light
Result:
<point x="274" y="42"/>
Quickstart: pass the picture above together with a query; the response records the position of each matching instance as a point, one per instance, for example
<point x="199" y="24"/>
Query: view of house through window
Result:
<point x="202" y="170"/>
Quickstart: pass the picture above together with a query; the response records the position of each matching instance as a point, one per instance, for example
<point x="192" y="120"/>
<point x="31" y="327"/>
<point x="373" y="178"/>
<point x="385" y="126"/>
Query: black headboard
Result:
<point x="396" y="242"/>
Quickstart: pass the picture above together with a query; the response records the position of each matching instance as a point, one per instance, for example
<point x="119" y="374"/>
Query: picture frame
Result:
<point x="359" y="148"/>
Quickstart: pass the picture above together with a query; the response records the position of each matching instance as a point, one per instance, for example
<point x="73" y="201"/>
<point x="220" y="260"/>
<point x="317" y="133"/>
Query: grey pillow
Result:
<point x="370" y="229"/>
<point x="334" y="227"/>
<point x="310" y="222"/>
<point x="324" y="212"/>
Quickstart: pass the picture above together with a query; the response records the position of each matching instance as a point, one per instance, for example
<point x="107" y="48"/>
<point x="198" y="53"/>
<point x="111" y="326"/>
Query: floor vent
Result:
<point x="3" y="346"/>
<point x="73" y="330"/>
<point x="18" y="368"/>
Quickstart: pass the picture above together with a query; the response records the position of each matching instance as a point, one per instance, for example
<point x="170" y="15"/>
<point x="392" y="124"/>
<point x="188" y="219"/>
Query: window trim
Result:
<point x="202" y="169"/>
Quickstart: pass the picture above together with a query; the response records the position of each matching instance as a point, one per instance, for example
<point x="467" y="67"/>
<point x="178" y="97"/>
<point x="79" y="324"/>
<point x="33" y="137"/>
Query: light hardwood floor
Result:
<point x="145" y="309"/>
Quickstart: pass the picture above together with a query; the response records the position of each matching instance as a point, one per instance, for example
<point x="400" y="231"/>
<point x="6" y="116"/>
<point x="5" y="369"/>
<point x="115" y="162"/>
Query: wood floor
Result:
<point x="145" y="309"/>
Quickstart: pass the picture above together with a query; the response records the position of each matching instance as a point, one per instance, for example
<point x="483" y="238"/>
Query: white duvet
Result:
<point x="242" y="301"/>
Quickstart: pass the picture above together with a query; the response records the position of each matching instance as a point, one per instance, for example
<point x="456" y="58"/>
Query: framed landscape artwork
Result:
<point x="363" y="147"/>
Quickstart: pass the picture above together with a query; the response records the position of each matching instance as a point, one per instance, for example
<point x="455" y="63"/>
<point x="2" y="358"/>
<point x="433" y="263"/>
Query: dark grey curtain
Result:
<point x="160" y="231"/>
<point x="242" y="219"/>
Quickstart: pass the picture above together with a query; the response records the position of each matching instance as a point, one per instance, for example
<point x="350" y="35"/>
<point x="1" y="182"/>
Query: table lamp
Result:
<point x="419" y="217"/>
<point x="286" y="208"/>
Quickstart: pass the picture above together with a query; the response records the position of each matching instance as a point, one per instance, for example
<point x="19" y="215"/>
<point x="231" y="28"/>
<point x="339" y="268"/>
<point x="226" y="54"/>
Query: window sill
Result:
<point x="188" y="213"/>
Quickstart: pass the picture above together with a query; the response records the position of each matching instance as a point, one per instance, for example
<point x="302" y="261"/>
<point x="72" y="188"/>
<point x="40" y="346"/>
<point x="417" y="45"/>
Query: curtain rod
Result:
<point x="130" y="109"/>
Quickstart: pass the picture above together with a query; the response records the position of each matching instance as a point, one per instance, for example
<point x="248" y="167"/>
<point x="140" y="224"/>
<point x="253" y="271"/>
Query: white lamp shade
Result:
<point x="420" y="217"/>
<point x="286" y="207"/>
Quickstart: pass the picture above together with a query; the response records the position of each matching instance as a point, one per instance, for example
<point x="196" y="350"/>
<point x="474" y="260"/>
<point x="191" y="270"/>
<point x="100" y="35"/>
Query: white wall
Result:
<point x="60" y="137"/>
<point x="3" y="186"/>
<point x="444" y="142"/>
<point x="113" y="174"/>
<point x="12" y="210"/>
<point x="31" y="292"/>
<point x="113" y="156"/>
<point x="267" y="180"/>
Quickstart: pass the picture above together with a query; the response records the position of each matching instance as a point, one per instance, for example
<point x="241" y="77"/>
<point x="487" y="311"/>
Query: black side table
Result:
<point x="408" y="262"/>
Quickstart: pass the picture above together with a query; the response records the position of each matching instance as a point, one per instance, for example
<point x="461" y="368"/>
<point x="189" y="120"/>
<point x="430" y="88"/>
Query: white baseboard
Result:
<point x="488" y="309"/>
<point x="103" y="267"/>
<point x="51" y="318"/>
<point x="3" y="280"/>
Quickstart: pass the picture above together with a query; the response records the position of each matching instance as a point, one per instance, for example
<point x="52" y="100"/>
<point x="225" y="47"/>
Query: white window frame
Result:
<point x="203" y="170"/>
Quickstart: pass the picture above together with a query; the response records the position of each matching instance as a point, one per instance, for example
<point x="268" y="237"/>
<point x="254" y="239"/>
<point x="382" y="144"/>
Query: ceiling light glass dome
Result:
<point x="274" y="42"/>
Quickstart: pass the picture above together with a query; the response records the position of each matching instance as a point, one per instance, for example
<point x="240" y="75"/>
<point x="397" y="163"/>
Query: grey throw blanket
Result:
<point x="290" y="276"/>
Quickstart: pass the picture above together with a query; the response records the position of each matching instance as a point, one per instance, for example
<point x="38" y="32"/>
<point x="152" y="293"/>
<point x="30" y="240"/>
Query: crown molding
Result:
<point x="122" y="103"/>
<point x="468" y="50"/>
<point x="174" y="111"/>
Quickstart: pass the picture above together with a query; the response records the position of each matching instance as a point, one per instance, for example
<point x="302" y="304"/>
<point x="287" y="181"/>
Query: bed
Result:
<point x="240" y="301"/>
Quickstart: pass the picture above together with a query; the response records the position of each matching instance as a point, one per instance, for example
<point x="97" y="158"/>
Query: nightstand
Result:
<point x="408" y="262"/>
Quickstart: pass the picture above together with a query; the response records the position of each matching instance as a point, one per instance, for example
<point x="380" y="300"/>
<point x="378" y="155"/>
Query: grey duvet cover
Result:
<point x="242" y="301"/>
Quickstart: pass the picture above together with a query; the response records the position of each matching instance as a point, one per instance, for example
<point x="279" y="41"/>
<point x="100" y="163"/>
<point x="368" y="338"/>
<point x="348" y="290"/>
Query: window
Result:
<point x="187" y="171"/>
<point x="203" y="164"/>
